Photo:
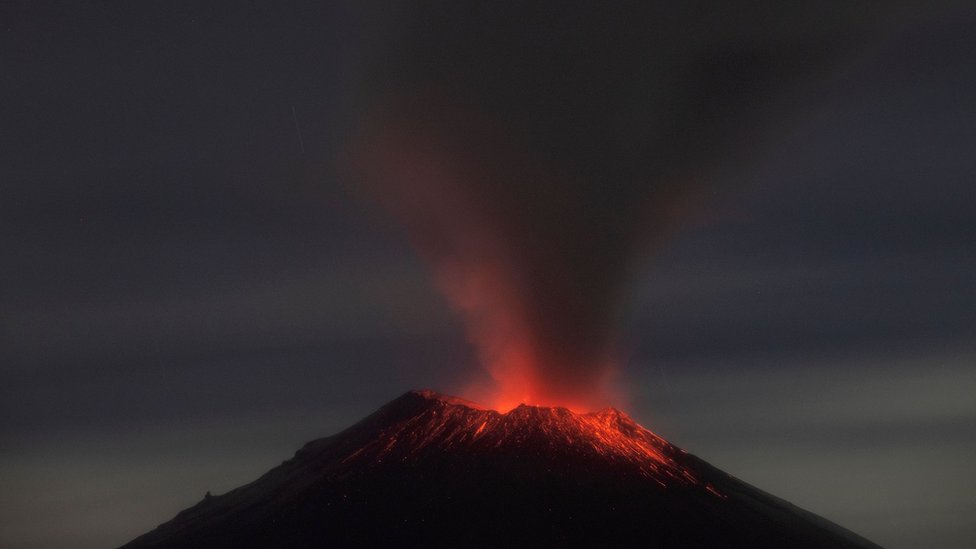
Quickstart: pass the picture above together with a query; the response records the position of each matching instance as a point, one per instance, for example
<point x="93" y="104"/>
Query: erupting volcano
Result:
<point x="428" y="470"/>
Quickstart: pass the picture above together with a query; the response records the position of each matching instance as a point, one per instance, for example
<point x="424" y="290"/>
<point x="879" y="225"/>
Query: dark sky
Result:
<point x="192" y="286"/>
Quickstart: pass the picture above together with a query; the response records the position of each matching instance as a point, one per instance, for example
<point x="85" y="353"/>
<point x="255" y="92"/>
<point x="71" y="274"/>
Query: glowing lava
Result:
<point x="453" y="425"/>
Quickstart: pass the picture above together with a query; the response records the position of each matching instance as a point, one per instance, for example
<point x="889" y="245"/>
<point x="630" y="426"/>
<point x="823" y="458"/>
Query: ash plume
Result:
<point x="532" y="152"/>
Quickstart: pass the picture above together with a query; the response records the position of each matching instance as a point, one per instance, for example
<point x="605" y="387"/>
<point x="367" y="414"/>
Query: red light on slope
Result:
<point x="454" y="425"/>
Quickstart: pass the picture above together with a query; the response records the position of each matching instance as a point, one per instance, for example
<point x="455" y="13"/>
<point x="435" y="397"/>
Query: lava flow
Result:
<point x="453" y="425"/>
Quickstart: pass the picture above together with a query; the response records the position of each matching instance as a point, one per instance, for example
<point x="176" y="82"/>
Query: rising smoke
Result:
<point x="532" y="152"/>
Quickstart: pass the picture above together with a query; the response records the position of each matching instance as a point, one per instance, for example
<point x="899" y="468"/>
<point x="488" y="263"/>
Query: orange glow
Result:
<point x="459" y="425"/>
<point x="514" y="382"/>
<point x="504" y="250"/>
<point x="523" y="369"/>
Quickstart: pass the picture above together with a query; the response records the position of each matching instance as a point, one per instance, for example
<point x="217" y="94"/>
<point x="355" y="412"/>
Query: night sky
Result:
<point x="194" y="282"/>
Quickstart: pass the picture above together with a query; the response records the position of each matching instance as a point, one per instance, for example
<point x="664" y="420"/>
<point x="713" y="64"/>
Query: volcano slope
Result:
<point x="427" y="470"/>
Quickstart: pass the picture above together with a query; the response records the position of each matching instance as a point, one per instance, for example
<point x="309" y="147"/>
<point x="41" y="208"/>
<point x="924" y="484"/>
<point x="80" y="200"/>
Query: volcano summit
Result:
<point x="428" y="470"/>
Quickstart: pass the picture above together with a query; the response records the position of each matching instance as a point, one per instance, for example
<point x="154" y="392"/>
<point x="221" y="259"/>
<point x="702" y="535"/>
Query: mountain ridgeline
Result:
<point x="428" y="470"/>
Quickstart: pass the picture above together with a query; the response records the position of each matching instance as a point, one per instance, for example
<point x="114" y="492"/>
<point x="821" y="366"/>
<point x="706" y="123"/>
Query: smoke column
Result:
<point x="532" y="152"/>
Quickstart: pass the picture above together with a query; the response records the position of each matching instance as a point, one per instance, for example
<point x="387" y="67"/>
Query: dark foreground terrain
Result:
<point x="428" y="470"/>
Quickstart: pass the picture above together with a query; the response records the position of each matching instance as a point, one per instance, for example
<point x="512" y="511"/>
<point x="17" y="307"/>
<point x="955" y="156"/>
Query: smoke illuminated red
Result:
<point x="529" y="169"/>
<point x="512" y="248"/>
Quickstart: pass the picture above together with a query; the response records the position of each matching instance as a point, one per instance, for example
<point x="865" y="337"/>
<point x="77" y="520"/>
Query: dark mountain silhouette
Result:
<point x="428" y="470"/>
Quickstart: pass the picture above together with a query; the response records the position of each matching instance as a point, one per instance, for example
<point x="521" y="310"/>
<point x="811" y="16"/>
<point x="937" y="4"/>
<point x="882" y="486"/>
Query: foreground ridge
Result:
<point x="433" y="470"/>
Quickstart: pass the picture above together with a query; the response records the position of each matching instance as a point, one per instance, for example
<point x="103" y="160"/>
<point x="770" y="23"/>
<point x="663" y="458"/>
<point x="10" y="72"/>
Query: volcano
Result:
<point x="428" y="470"/>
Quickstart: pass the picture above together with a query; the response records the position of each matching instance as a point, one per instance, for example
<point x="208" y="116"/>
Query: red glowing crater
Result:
<point x="451" y="424"/>
<point x="517" y="381"/>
